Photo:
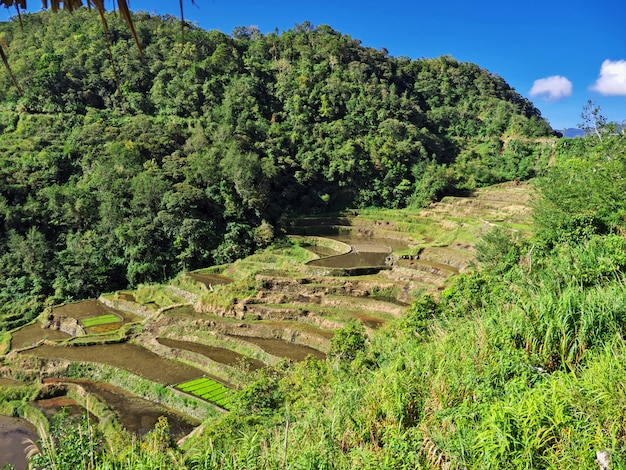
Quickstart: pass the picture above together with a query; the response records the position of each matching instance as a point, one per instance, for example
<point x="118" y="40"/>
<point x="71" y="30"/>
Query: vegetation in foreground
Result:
<point x="519" y="364"/>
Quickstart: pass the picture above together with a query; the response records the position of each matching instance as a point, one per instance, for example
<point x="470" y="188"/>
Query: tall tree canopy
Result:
<point x="206" y="142"/>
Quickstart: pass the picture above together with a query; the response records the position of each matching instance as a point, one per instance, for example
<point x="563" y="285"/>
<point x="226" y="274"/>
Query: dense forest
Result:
<point x="118" y="169"/>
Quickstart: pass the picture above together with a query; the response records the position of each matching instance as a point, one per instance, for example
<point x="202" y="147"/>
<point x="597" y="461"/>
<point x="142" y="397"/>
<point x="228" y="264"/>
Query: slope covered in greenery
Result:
<point x="519" y="364"/>
<point x="117" y="169"/>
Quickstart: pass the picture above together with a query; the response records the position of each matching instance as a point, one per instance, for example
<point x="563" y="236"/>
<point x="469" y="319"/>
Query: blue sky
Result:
<point x="558" y="54"/>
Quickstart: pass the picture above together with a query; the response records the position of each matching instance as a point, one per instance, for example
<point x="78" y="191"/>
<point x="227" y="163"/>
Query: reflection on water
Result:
<point x="353" y="259"/>
<point x="221" y="355"/>
<point x="366" y="252"/>
<point x="282" y="348"/>
<point x="13" y="432"/>
<point x="130" y="357"/>
<point x="322" y="251"/>
<point x="136" y="414"/>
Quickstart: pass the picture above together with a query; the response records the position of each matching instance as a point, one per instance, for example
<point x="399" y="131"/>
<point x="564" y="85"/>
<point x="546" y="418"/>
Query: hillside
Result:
<point x="236" y="323"/>
<point x="419" y="362"/>
<point x="118" y="173"/>
<point x="290" y="251"/>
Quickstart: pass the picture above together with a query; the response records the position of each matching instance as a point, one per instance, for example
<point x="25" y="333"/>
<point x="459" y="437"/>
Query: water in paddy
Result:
<point x="52" y="406"/>
<point x="210" y="280"/>
<point x="130" y="357"/>
<point x="84" y="309"/>
<point x="136" y="414"/>
<point x="90" y="309"/>
<point x="32" y="334"/>
<point x="322" y="251"/>
<point x="221" y="355"/>
<point x="351" y="260"/>
<point x="366" y="252"/>
<point x="282" y="348"/>
<point x="13" y="431"/>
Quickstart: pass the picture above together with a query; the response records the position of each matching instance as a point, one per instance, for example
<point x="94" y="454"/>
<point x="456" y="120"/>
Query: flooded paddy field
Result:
<point x="221" y="355"/>
<point x="127" y="356"/>
<point x="354" y="259"/>
<point x="365" y="251"/>
<point x="92" y="309"/>
<point x="82" y="310"/>
<point x="32" y="334"/>
<point x="52" y="406"/>
<point x="15" y="434"/>
<point x="137" y="415"/>
<point x="282" y="348"/>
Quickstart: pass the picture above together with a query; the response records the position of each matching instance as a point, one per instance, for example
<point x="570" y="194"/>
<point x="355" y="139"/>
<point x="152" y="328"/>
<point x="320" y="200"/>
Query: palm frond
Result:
<point x="8" y="67"/>
<point x="125" y="12"/>
<point x="71" y="5"/>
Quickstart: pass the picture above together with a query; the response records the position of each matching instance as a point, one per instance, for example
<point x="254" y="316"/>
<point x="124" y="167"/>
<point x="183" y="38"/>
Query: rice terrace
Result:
<point x="197" y="340"/>
<point x="291" y="250"/>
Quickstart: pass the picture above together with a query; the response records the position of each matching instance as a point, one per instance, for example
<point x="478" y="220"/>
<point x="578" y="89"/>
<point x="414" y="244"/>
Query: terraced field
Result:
<point x="284" y="303"/>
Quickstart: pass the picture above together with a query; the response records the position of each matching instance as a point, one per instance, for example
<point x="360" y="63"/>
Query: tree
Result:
<point x="348" y="342"/>
<point x="72" y="5"/>
<point x="593" y="121"/>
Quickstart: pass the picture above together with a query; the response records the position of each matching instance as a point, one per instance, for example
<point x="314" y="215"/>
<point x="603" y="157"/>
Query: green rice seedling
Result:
<point x="212" y="396"/>
<point x="191" y="382"/>
<point x="193" y="388"/>
<point x="203" y="390"/>
<point x="207" y="389"/>
<point x="101" y="320"/>
<point x="223" y="398"/>
<point x="218" y="393"/>
<point x="193" y="385"/>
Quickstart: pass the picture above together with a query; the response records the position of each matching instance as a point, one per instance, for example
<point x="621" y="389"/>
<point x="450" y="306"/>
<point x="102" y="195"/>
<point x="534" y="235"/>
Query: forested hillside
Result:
<point x="117" y="169"/>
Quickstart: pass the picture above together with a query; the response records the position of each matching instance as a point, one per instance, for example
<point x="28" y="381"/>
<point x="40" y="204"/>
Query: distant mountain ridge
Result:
<point x="572" y="132"/>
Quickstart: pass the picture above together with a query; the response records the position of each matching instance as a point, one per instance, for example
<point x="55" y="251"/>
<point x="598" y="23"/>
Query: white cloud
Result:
<point x="552" y="88"/>
<point x="612" y="80"/>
